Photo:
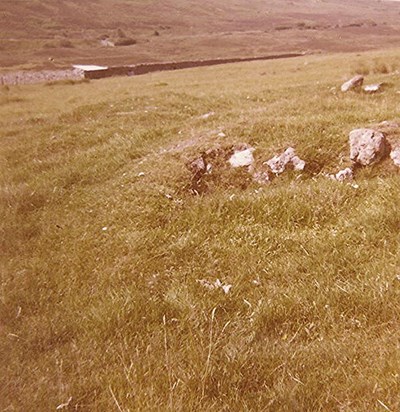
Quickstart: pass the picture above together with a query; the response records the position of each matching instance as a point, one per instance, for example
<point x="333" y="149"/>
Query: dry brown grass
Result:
<point x="101" y="307"/>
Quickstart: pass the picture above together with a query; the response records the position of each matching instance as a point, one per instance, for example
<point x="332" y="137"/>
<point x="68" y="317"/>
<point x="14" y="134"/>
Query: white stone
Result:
<point x="298" y="163"/>
<point x="242" y="158"/>
<point x="89" y="67"/>
<point x="279" y="163"/>
<point x="207" y="115"/>
<point x="372" y="88"/>
<point x="353" y="83"/>
<point x="395" y="156"/>
<point x="342" y="175"/>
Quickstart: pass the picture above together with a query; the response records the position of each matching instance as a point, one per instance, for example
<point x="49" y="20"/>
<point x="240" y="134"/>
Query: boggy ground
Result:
<point x="104" y="300"/>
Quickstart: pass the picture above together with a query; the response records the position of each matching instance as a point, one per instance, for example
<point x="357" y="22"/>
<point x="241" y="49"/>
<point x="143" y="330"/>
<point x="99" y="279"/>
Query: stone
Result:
<point x="278" y="164"/>
<point x="298" y="164"/>
<point x="261" y="177"/>
<point x="198" y="166"/>
<point x="367" y="146"/>
<point x="242" y="158"/>
<point x="395" y="156"/>
<point x="353" y="83"/>
<point x="207" y="115"/>
<point x="107" y="43"/>
<point x="389" y="124"/>
<point x="372" y="88"/>
<point x="342" y="175"/>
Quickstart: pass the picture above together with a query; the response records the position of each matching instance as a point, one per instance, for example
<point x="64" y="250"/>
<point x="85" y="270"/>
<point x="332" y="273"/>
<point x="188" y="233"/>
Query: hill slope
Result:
<point x="104" y="303"/>
<point x="70" y="31"/>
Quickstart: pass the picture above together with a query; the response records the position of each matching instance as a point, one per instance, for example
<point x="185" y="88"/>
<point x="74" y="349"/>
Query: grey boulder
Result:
<point x="367" y="146"/>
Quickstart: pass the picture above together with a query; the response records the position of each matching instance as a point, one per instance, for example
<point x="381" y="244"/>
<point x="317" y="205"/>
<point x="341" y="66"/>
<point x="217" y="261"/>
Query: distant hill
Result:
<point x="67" y="31"/>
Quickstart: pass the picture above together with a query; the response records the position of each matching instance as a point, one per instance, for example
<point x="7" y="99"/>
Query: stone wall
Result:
<point x="156" y="67"/>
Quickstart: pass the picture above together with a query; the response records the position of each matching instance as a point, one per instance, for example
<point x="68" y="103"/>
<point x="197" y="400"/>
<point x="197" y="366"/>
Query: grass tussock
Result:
<point x="6" y="99"/>
<point x="128" y="41"/>
<point x="377" y="66"/>
<point x="105" y="253"/>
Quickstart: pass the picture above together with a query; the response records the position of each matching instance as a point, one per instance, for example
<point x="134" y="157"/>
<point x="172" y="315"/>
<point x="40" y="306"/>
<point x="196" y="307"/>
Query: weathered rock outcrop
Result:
<point x="367" y="146"/>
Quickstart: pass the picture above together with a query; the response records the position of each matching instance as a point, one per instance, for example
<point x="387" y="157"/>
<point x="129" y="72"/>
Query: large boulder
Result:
<point x="353" y="83"/>
<point x="367" y="146"/>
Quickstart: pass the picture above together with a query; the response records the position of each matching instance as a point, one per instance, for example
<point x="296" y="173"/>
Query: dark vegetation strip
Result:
<point x="144" y="68"/>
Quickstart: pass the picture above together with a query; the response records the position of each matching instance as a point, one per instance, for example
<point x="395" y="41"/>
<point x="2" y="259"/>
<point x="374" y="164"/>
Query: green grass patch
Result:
<point x="103" y="246"/>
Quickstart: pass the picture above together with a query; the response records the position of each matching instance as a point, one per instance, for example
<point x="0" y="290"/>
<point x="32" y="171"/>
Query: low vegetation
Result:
<point x="377" y="66"/>
<point x="125" y="41"/>
<point x="70" y="82"/>
<point x="106" y="254"/>
<point x="188" y="30"/>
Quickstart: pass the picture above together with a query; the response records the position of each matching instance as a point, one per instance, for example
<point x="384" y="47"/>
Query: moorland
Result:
<point x="111" y="266"/>
<point x="70" y="31"/>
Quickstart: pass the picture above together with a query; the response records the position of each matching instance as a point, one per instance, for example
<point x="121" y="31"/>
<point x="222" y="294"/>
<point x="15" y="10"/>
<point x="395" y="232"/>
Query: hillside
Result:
<point x="123" y="290"/>
<point x="70" y="31"/>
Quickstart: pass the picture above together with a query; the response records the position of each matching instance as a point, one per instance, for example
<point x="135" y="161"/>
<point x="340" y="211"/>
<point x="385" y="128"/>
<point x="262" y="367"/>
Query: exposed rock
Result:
<point x="216" y="162"/>
<point x="367" y="146"/>
<point x="353" y="83"/>
<point x="389" y="124"/>
<point x="395" y="156"/>
<point x="242" y="158"/>
<point x="207" y="115"/>
<point x="298" y="164"/>
<point x="372" y="88"/>
<point x="342" y="175"/>
<point x="261" y="177"/>
<point x="278" y="164"/>
<point x="198" y="166"/>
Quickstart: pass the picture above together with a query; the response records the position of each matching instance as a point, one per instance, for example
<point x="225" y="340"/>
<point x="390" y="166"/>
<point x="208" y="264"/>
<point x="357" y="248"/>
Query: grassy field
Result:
<point x="69" y="31"/>
<point x="103" y="246"/>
